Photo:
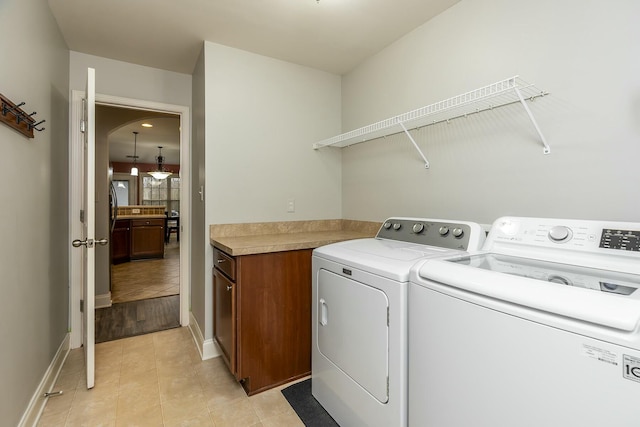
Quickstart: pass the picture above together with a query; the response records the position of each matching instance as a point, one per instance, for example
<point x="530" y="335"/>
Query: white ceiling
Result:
<point x="330" y="35"/>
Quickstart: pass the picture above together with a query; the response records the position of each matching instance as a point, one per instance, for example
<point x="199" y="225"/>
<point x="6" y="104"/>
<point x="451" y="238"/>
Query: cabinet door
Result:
<point x="120" y="241"/>
<point x="224" y="317"/>
<point x="274" y="311"/>
<point x="147" y="239"/>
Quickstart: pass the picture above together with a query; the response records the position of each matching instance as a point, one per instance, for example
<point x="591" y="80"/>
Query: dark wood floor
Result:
<point x="127" y="319"/>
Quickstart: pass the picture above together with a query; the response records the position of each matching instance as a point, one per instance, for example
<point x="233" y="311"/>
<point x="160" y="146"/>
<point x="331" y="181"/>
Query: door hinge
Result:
<point x="83" y="122"/>
<point x="387" y="317"/>
<point x="82" y="216"/>
<point x="387" y="385"/>
<point x="81" y="306"/>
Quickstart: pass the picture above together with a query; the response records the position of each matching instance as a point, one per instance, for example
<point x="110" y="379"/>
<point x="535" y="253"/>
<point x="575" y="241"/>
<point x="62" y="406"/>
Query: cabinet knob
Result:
<point x="220" y="261"/>
<point x="229" y="287"/>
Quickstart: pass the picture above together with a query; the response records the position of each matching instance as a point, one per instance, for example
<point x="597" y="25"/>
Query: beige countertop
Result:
<point x="255" y="238"/>
<point x="138" y="216"/>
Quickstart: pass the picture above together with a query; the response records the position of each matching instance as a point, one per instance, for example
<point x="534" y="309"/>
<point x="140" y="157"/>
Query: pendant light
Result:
<point x="160" y="173"/>
<point x="134" y="168"/>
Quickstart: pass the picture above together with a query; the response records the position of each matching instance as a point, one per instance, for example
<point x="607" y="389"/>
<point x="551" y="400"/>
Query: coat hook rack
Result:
<point x="14" y="117"/>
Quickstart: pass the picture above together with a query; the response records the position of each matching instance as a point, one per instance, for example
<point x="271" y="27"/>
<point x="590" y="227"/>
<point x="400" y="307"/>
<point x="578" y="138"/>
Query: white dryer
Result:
<point x="540" y="328"/>
<point x="359" y="316"/>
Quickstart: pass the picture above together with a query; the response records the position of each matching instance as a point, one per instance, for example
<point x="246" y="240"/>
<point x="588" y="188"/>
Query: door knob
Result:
<point x="86" y="242"/>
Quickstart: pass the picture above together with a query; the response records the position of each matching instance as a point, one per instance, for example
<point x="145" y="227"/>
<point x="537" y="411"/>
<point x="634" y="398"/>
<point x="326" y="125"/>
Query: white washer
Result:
<point x="359" y="350"/>
<point x="540" y="328"/>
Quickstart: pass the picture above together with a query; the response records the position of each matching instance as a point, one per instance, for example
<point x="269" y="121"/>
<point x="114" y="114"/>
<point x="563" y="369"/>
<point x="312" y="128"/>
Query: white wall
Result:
<point x="34" y="216"/>
<point x="262" y="115"/>
<point x="583" y="52"/>
<point x="128" y="80"/>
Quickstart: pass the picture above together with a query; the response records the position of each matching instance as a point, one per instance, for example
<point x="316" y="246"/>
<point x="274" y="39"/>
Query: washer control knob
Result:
<point x="457" y="232"/>
<point x="418" y="228"/>
<point x="387" y="225"/>
<point x="559" y="234"/>
<point x="444" y="230"/>
<point x="397" y="226"/>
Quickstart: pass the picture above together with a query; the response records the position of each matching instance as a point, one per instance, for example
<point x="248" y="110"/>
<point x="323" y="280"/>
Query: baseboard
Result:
<point x="207" y="348"/>
<point x="103" y="300"/>
<point x="38" y="401"/>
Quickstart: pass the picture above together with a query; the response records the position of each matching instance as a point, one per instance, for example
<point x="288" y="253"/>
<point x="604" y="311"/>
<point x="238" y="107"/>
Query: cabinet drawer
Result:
<point x="147" y="222"/>
<point x="224" y="263"/>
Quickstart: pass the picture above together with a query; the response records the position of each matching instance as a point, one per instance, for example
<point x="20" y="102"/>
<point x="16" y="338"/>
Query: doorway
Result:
<point x="142" y="286"/>
<point x="148" y="109"/>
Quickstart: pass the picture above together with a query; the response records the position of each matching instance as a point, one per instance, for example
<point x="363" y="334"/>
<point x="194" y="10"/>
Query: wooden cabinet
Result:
<point x="120" y="241"/>
<point x="224" y="297"/>
<point x="147" y="238"/>
<point x="262" y="316"/>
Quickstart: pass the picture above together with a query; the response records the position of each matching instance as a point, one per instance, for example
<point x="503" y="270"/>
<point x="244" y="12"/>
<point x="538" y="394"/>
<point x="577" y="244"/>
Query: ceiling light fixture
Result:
<point x="134" y="168"/>
<point x="160" y="173"/>
<point x="146" y="125"/>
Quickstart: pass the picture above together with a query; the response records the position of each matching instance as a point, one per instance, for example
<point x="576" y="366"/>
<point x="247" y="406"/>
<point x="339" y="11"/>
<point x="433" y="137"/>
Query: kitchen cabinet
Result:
<point x="121" y="241"/>
<point x="147" y="238"/>
<point x="262" y="316"/>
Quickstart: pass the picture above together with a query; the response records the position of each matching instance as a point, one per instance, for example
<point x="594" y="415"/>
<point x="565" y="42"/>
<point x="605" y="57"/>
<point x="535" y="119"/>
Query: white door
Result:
<point x="87" y="241"/>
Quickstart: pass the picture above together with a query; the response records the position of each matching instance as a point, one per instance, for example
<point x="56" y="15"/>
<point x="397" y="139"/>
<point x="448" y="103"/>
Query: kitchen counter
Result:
<point x="256" y="238"/>
<point x="141" y="216"/>
<point x="140" y="211"/>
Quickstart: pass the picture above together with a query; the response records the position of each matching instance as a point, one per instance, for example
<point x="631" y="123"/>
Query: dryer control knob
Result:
<point x="418" y="228"/>
<point x="387" y="225"/>
<point x="560" y="233"/>
<point x="397" y="226"/>
<point x="457" y="232"/>
<point x="444" y="230"/>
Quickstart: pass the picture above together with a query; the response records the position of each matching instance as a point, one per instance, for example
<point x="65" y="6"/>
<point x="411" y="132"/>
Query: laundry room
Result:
<point x="460" y="135"/>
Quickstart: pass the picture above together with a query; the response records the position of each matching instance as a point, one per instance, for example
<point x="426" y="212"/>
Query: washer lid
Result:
<point x="619" y="310"/>
<point x="558" y="273"/>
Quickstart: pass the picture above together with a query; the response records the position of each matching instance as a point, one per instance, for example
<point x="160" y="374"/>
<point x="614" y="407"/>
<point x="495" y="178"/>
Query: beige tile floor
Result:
<point x="159" y="380"/>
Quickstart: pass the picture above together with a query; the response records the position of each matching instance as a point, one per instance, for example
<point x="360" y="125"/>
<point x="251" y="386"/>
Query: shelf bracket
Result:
<point x="546" y="149"/>
<point x="426" y="162"/>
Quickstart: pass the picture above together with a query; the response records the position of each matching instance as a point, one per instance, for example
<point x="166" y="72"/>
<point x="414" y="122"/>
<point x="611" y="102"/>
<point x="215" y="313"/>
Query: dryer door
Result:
<point x="353" y="330"/>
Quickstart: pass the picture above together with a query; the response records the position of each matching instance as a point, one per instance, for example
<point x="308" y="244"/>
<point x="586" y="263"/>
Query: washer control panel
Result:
<point x="443" y="234"/>
<point x="591" y="236"/>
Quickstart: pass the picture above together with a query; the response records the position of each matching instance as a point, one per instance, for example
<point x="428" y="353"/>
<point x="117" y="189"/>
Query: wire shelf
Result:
<point x="505" y="92"/>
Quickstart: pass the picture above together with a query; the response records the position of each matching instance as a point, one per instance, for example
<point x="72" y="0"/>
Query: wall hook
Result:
<point x="33" y="125"/>
<point x="18" y="119"/>
<point x="6" y="109"/>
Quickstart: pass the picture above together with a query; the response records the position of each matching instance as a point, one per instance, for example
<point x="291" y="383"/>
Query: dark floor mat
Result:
<point x="306" y="406"/>
<point x="133" y="318"/>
